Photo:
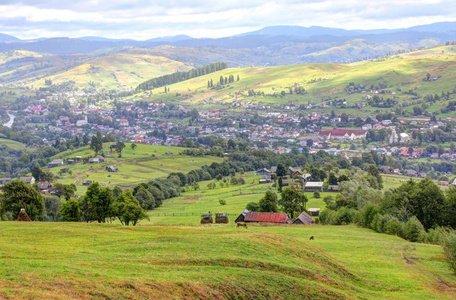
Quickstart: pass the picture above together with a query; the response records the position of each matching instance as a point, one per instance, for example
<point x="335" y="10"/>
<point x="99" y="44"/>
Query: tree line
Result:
<point x="180" y="76"/>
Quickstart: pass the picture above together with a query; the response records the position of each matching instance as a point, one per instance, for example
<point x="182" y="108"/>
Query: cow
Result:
<point x="242" y="224"/>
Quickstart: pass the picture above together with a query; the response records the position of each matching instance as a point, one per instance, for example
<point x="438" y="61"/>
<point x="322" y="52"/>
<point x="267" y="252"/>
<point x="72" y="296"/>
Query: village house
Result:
<point x="267" y="217"/>
<point x="55" y="163"/>
<point x="303" y="219"/>
<point x="342" y="134"/>
<point x="4" y="181"/>
<point x="312" y="186"/>
<point x="315" y="212"/>
<point x="27" y="179"/>
<point x="112" y="169"/>
<point x="264" y="172"/>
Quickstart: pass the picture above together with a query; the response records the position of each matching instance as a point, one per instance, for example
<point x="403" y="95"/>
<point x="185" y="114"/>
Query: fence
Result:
<point x="168" y="214"/>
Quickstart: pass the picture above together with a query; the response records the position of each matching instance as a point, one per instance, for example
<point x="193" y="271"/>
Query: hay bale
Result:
<point x="206" y="219"/>
<point x="221" y="218"/>
<point x="23" y="217"/>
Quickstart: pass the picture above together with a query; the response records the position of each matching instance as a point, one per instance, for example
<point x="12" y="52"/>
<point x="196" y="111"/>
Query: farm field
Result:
<point x="79" y="260"/>
<point x="140" y="165"/>
<point x="187" y="209"/>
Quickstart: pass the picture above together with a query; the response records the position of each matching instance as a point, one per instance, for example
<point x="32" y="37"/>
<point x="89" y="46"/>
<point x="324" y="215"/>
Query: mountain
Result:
<point x="8" y="38"/>
<point x="176" y="38"/>
<point x="102" y="39"/>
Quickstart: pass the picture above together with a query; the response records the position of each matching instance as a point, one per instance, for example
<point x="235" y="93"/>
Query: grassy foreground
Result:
<point x="76" y="260"/>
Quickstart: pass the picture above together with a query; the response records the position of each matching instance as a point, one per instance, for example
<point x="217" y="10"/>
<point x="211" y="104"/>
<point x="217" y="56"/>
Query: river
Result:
<point x="11" y="121"/>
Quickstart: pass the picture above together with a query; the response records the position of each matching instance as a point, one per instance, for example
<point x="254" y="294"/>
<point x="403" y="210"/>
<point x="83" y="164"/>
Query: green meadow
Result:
<point x="140" y="165"/>
<point x="13" y="144"/>
<point x="106" y="261"/>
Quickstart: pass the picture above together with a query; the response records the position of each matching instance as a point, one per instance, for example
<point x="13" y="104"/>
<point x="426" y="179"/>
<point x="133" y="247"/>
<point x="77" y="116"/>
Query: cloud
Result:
<point x="142" y="19"/>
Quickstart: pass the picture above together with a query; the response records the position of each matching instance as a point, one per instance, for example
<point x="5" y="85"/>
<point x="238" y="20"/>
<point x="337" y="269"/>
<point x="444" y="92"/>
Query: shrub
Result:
<point x="435" y="236"/>
<point x="327" y="216"/>
<point x="222" y="202"/>
<point x="414" y="230"/>
<point x="317" y="194"/>
<point x="344" y="216"/>
<point x="252" y="206"/>
<point x="367" y="215"/>
<point x="394" y="226"/>
<point x="449" y="246"/>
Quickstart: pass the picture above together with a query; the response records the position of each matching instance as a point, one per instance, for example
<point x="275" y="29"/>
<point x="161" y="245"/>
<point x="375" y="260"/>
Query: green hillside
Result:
<point x="13" y="144"/>
<point x="399" y="73"/>
<point x="140" y="165"/>
<point x="117" y="70"/>
<point x="78" y="260"/>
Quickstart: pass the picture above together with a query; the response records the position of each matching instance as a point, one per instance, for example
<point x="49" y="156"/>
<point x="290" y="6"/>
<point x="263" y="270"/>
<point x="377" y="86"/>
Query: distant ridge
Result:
<point x="8" y="38"/>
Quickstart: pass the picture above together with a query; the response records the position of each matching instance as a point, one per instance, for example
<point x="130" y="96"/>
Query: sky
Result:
<point x="141" y="19"/>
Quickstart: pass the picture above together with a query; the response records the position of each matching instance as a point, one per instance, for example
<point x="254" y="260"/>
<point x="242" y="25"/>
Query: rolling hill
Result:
<point x="78" y="260"/>
<point x="396" y="75"/>
<point x="118" y="70"/>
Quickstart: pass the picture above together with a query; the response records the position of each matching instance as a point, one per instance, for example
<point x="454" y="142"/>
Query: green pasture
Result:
<point x="14" y="145"/>
<point x="93" y="261"/>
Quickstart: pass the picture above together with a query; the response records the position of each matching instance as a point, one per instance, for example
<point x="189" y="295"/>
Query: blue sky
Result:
<point x="140" y="19"/>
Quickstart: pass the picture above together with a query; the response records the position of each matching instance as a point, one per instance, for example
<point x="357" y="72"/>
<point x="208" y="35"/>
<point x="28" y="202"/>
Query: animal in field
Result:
<point x="243" y="224"/>
<point x="312" y="238"/>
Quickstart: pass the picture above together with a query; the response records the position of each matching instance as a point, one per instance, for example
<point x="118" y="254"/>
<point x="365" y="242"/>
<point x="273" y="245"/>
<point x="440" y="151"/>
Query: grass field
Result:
<point x="105" y="261"/>
<point x="399" y="73"/>
<point x="140" y="165"/>
<point x="13" y="144"/>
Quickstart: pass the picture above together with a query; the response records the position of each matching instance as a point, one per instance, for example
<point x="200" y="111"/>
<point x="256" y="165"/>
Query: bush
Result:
<point x="449" y="246"/>
<point x="222" y="202"/>
<point x="252" y="206"/>
<point x="344" y="216"/>
<point x="367" y="215"/>
<point x="394" y="227"/>
<point x="379" y="222"/>
<point x="414" y="230"/>
<point x="327" y="216"/>
<point x="317" y="194"/>
<point x="435" y="236"/>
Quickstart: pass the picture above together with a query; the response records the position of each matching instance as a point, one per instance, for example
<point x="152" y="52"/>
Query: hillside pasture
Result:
<point x="92" y="261"/>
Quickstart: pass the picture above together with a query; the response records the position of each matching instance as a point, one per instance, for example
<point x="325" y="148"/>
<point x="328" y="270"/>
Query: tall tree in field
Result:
<point x="96" y="144"/>
<point x="97" y="204"/>
<point x="70" y="211"/>
<point x="17" y="195"/>
<point x="268" y="203"/>
<point x="119" y="147"/>
<point x="293" y="202"/>
<point x="281" y="170"/>
<point x="128" y="210"/>
<point x="133" y="146"/>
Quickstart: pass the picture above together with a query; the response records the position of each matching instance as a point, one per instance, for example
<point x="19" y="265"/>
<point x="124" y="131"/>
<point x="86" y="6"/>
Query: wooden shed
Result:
<point x="241" y="217"/>
<point x="267" y="217"/>
<point x="303" y="219"/>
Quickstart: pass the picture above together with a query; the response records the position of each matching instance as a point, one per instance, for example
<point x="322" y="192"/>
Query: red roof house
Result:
<point x="267" y="217"/>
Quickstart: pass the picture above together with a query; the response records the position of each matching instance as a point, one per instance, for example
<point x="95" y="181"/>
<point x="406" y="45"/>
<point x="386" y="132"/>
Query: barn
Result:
<point x="221" y="218"/>
<point x="303" y="219"/>
<point x="267" y="217"/>
<point x="312" y="186"/>
<point x="241" y="217"/>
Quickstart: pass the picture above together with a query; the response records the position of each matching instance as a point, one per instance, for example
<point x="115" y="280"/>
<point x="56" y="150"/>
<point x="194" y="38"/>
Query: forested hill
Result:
<point x="180" y="76"/>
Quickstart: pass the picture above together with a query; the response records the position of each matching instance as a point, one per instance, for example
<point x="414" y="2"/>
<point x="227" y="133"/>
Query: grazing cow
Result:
<point x="242" y="224"/>
<point x="312" y="238"/>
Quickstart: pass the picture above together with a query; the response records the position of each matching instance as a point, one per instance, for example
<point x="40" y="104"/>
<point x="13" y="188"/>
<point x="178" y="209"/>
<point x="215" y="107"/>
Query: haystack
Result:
<point x="221" y="218"/>
<point x="23" y="217"/>
<point x="206" y="219"/>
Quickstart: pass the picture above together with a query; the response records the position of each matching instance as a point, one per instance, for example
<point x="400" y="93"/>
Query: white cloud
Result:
<point x="142" y="19"/>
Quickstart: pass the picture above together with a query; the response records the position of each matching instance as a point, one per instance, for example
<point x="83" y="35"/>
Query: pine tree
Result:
<point x="238" y="78"/>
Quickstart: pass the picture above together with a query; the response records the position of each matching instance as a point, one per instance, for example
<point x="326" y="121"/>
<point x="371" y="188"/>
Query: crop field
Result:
<point x="87" y="261"/>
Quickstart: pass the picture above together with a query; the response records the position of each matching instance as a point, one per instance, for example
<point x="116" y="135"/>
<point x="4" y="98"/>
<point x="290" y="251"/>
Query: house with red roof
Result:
<point x="267" y="217"/>
<point x="342" y="134"/>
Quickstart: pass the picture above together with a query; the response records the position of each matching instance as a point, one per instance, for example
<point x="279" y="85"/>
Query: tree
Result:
<point x="119" y="147"/>
<point x="17" y="195"/>
<point x="293" y="202"/>
<point x="133" y="146"/>
<point x="145" y="198"/>
<point x="70" y="211"/>
<point x="252" y="206"/>
<point x="281" y="170"/>
<point x="52" y="207"/>
<point x="375" y="173"/>
<point x="128" y="210"/>
<point x="65" y="190"/>
<point x="96" y="143"/>
<point x="280" y="185"/>
<point x="268" y="203"/>
<point x="332" y="179"/>
<point x="97" y="204"/>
